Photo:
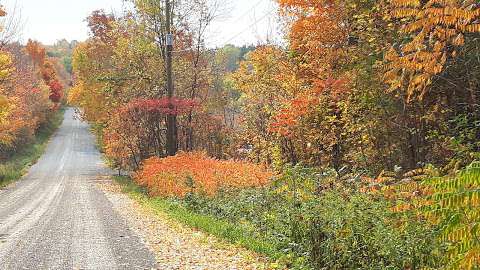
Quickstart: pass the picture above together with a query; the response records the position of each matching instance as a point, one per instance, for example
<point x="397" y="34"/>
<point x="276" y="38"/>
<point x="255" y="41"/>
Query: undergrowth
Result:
<point x="298" y="226"/>
<point x="223" y="229"/>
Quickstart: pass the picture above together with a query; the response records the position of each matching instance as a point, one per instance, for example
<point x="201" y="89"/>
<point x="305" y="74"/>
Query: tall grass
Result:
<point x="16" y="166"/>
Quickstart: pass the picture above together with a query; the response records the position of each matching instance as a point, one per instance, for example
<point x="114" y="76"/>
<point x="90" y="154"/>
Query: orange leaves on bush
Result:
<point x="173" y="106"/>
<point x="196" y="172"/>
<point x="56" y="91"/>
<point x="305" y="104"/>
<point x="291" y="115"/>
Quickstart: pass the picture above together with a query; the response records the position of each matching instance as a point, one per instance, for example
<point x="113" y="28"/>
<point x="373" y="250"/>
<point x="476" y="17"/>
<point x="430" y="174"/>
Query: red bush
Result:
<point x="56" y="91"/>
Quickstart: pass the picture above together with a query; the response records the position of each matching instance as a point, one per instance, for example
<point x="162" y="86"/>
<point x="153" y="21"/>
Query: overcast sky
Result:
<point x="246" y="22"/>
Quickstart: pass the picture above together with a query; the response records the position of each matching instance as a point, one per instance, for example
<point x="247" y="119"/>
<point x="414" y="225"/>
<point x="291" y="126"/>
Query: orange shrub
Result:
<point x="198" y="173"/>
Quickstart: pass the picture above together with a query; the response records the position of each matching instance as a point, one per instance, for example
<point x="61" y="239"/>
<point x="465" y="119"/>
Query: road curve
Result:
<point x="57" y="218"/>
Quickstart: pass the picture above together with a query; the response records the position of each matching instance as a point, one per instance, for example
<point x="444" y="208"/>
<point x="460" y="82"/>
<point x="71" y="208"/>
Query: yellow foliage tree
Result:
<point x="4" y="108"/>
<point x="6" y="105"/>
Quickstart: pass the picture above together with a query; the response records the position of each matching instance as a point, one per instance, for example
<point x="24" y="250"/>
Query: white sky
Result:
<point x="246" y="22"/>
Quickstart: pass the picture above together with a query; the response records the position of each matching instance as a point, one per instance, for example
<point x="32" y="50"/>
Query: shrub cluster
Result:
<point x="196" y="173"/>
<point x="310" y="223"/>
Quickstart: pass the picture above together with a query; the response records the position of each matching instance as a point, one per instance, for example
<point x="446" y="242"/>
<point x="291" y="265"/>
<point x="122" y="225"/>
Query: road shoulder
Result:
<point x="175" y="245"/>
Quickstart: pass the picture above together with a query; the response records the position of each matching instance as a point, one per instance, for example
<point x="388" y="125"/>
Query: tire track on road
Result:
<point x="56" y="218"/>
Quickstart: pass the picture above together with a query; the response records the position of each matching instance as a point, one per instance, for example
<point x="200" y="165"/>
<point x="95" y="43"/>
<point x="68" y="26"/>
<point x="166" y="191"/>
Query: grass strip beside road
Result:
<point x="229" y="232"/>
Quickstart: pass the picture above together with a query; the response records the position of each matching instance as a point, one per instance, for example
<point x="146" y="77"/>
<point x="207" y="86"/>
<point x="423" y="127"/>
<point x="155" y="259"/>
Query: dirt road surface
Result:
<point x="57" y="218"/>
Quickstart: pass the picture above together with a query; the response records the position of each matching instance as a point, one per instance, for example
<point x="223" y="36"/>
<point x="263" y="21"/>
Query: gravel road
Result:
<point x="56" y="217"/>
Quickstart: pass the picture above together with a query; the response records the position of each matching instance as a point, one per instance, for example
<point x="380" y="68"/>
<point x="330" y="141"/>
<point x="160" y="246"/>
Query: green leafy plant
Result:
<point x="454" y="204"/>
<point x="314" y="222"/>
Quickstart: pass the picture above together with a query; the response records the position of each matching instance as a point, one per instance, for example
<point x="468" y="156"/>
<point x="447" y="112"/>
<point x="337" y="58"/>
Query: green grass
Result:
<point x="18" y="164"/>
<point x="232" y="233"/>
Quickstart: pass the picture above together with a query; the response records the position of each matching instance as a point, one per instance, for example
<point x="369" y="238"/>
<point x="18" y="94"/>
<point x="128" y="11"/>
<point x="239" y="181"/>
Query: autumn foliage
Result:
<point x="26" y="100"/>
<point x="362" y="94"/>
<point x="55" y="91"/>
<point x="165" y="106"/>
<point x="46" y="68"/>
<point x="438" y="31"/>
<point x="195" y="172"/>
<point x="135" y="131"/>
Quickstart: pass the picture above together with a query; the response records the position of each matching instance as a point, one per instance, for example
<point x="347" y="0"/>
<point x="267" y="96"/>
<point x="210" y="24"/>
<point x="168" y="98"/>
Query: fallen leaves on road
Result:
<point x="177" y="246"/>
